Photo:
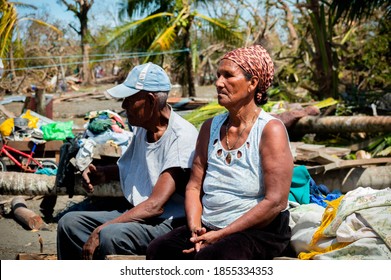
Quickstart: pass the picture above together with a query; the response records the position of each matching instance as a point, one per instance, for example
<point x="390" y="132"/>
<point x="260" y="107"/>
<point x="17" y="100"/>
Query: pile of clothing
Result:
<point x="104" y="126"/>
<point x="331" y="225"/>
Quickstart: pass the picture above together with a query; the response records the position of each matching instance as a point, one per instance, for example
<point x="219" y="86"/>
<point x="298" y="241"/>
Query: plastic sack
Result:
<point x="6" y="127"/>
<point x="57" y="131"/>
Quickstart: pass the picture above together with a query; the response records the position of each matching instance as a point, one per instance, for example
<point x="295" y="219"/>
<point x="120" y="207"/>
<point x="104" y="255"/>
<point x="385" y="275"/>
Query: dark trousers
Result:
<point x="254" y="243"/>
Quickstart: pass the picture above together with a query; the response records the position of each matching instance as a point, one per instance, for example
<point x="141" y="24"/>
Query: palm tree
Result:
<point x="323" y="17"/>
<point x="169" y="25"/>
<point x="8" y="25"/>
<point x="358" y="9"/>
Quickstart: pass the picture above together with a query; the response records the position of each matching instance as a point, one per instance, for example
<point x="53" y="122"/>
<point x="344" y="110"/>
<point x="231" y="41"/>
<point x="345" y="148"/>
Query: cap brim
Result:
<point x="122" y="91"/>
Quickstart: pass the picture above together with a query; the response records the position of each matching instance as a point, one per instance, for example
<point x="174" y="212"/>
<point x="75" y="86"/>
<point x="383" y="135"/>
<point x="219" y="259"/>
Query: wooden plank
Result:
<point x="49" y="149"/>
<point x="41" y="257"/>
<point x="26" y="146"/>
<point x="125" y="257"/>
<point x="319" y="153"/>
<point x="7" y="113"/>
<point x="341" y="164"/>
<point x="108" y="150"/>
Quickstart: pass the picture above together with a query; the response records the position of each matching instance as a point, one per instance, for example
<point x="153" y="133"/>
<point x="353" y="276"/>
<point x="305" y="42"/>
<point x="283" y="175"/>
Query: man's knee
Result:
<point x="68" y="221"/>
<point x="112" y="242"/>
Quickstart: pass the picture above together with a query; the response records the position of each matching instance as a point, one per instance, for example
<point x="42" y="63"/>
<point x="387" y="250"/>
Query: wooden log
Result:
<point x="347" y="179"/>
<point x="26" y="216"/>
<point x="18" y="183"/>
<point x="336" y="124"/>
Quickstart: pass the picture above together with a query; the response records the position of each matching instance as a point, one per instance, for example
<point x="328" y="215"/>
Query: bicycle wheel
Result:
<point x="3" y="166"/>
<point x="46" y="163"/>
<point x="50" y="164"/>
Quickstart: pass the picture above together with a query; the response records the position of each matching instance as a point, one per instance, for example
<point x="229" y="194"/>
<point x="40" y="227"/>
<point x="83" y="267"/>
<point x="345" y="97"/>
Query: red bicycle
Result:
<point x="26" y="162"/>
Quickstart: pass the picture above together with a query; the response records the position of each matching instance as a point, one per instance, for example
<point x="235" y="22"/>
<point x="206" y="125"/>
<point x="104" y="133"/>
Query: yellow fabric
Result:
<point x="328" y="216"/>
<point x="6" y="127"/>
<point x="336" y="246"/>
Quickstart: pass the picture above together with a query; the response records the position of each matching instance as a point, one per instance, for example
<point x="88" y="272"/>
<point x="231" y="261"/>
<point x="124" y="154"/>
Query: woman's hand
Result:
<point x="196" y="231"/>
<point x="202" y="239"/>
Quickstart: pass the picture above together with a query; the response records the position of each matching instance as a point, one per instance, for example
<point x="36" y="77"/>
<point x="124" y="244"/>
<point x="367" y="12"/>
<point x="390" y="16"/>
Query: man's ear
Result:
<point x="151" y="100"/>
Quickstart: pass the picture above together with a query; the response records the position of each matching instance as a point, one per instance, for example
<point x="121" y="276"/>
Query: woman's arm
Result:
<point x="193" y="204"/>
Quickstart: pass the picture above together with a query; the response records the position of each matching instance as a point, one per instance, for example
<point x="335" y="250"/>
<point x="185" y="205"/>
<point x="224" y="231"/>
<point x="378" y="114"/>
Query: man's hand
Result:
<point x="92" y="176"/>
<point x="90" y="246"/>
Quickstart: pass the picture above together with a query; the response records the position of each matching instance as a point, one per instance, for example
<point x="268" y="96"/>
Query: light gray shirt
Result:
<point x="143" y="162"/>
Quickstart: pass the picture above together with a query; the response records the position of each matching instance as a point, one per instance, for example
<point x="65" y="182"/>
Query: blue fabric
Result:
<point x="47" y="171"/>
<point x="300" y="186"/>
<point x="319" y="194"/>
<point x="304" y="189"/>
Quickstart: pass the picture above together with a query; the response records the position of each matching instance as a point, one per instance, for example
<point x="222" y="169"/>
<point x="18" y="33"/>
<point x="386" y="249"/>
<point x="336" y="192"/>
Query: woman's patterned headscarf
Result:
<point x="256" y="61"/>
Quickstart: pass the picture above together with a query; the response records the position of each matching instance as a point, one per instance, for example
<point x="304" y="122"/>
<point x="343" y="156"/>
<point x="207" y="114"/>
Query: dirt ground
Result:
<point x="15" y="238"/>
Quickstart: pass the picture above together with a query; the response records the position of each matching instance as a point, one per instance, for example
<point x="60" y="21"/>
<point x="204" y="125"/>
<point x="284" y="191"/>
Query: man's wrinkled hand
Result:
<point x="90" y="246"/>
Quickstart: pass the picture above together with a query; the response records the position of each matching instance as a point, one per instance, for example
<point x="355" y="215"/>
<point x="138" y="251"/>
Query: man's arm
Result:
<point x="164" y="188"/>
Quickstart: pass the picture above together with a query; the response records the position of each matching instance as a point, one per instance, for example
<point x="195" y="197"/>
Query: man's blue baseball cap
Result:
<point x="148" y="77"/>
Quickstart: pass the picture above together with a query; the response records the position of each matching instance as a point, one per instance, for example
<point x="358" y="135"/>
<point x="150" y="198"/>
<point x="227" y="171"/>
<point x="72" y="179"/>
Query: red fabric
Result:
<point x="256" y="61"/>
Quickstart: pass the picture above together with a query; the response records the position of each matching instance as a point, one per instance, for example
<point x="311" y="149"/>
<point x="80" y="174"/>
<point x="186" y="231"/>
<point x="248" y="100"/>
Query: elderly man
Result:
<point x="153" y="171"/>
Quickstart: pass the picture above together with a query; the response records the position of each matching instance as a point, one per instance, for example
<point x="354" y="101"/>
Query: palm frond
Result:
<point x="358" y="9"/>
<point x="42" y="23"/>
<point x="148" y="22"/>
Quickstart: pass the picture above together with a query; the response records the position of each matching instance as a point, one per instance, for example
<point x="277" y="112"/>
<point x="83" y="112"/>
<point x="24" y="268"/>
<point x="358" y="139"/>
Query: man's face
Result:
<point x="138" y="108"/>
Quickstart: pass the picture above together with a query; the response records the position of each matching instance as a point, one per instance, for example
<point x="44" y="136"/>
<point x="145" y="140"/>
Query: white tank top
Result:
<point x="233" y="182"/>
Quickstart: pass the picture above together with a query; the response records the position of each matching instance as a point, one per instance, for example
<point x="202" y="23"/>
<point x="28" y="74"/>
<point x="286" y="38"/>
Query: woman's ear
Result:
<point x="253" y="83"/>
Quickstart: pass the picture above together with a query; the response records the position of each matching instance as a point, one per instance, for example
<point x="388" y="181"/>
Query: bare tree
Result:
<point x="80" y="8"/>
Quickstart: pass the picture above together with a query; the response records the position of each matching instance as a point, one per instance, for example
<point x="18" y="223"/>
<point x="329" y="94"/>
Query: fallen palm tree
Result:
<point x="17" y="183"/>
<point x="337" y="124"/>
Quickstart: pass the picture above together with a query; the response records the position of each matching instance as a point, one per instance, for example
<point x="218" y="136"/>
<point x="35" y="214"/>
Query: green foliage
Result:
<point x="358" y="9"/>
<point x="381" y="147"/>
<point x="198" y="116"/>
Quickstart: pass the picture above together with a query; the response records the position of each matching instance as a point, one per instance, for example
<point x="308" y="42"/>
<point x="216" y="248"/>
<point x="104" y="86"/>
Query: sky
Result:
<point x="103" y="11"/>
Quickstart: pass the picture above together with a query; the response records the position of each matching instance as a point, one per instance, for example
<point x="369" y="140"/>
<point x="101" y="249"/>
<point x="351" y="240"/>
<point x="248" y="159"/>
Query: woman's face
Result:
<point x="231" y="84"/>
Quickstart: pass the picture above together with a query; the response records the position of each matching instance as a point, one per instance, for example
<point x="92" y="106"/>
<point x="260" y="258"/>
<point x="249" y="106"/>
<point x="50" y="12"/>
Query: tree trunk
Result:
<point x="11" y="63"/>
<point x="81" y="12"/>
<point x="86" y="74"/>
<point x="293" y="37"/>
<point x="335" y="124"/>
<point x="344" y="179"/>
<point x="18" y="183"/>
<point x="189" y="61"/>
<point x="40" y="101"/>
<point x="348" y="179"/>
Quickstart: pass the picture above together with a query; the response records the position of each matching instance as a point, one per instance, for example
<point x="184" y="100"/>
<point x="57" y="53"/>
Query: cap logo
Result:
<point x="141" y="77"/>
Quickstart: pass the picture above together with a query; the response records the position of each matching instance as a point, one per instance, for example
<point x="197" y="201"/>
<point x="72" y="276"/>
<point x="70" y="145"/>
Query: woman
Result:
<point x="237" y="197"/>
